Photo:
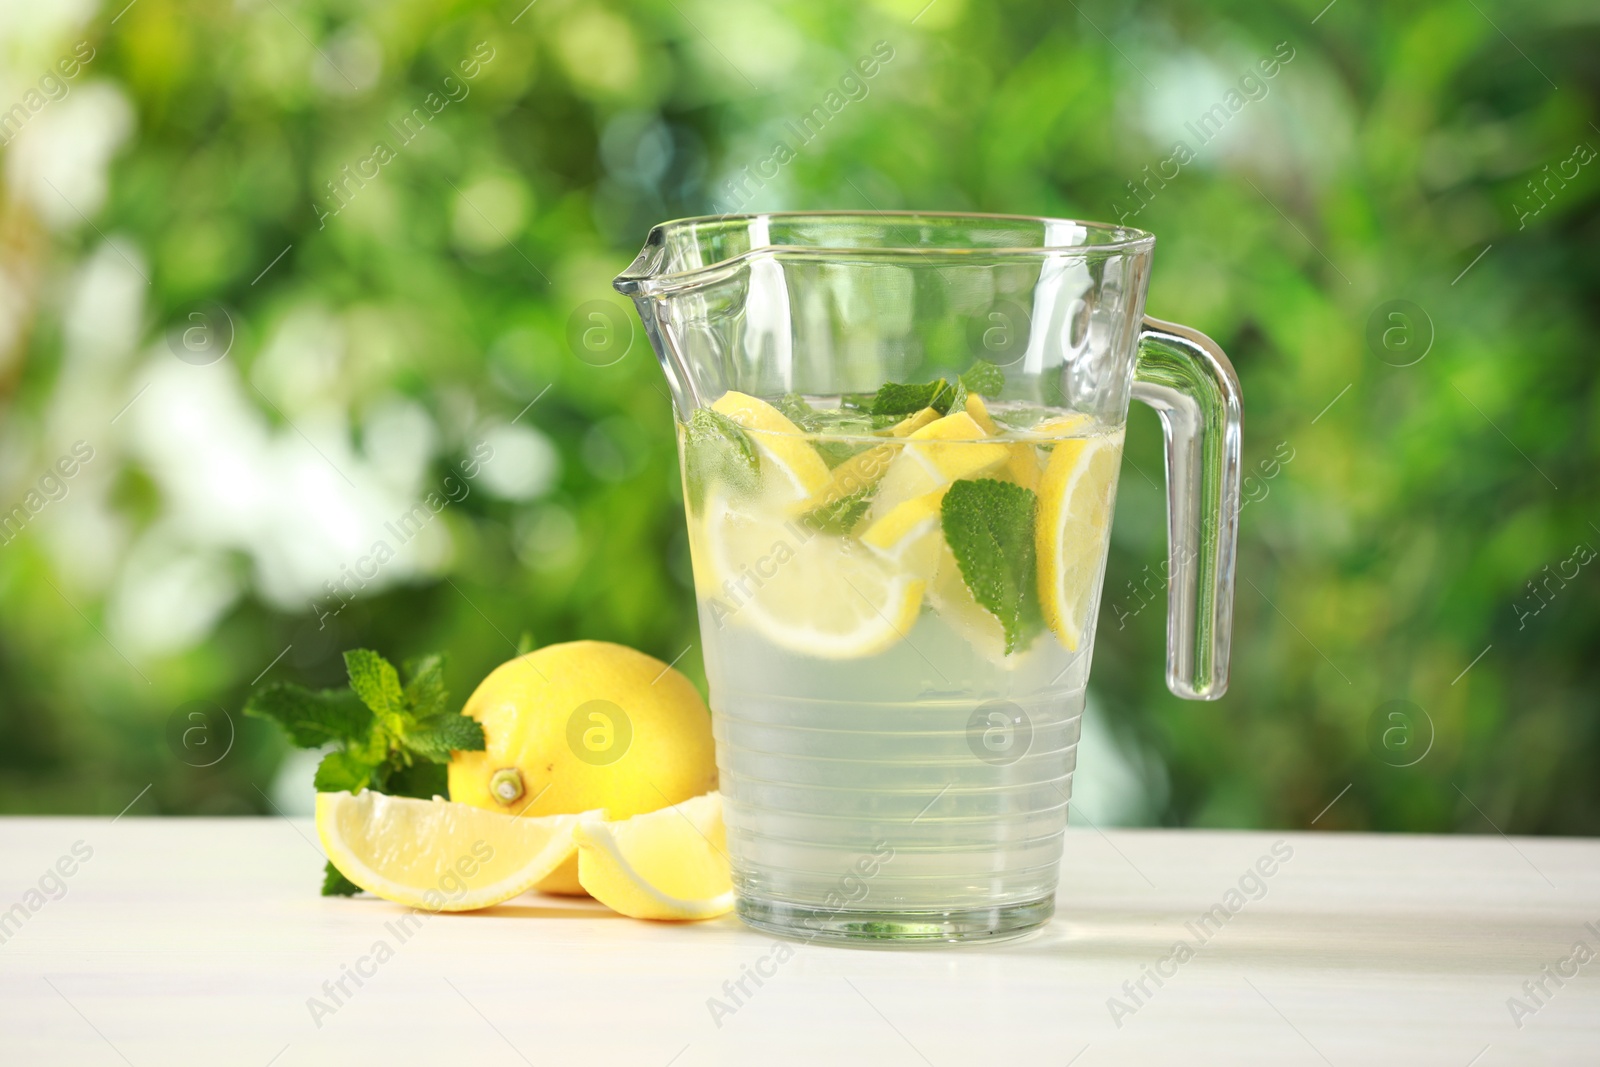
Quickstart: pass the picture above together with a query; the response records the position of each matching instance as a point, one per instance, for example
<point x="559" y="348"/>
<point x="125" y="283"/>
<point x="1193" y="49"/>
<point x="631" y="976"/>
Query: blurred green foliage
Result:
<point x="1390" y="159"/>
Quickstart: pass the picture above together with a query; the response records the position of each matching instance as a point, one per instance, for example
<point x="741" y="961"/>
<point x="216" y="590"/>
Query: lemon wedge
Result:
<point x="1061" y="425"/>
<point x="437" y="855"/>
<point x="944" y="448"/>
<point x="911" y="534"/>
<point x="979" y="411"/>
<point x="666" y="864"/>
<point x="808" y="592"/>
<point x="784" y="449"/>
<point x="1022" y="465"/>
<point x="935" y="455"/>
<point x="864" y="468"/>
<point x="912" y="423"/>
<point x="905" y="522"/>
<point x="949" y="595"/>
<point x="1075" y="497"/>
<point x="1022" y="459"/>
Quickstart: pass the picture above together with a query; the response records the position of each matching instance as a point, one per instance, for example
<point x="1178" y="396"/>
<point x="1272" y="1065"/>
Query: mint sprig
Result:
<point x="375" y="681"/>
<point x="989" y="527"/>
<point x="335" y="884"/>
<point x="798" y="410"/>
<point x="905" y="398"/>
<point x="391" y="738"/>
<point x="718" y="449"/>
<point x="942" y="394"/>
<point x="312" y="719"/>
<point x="841" y="516"/>
<point x="984" y="377"/>
<point x="823" y="424"/>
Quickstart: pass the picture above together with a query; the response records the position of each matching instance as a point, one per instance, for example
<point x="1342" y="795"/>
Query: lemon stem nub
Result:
<point x="506" y="785"/>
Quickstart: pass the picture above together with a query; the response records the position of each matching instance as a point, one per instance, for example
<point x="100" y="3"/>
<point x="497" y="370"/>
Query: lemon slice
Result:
<point x="980" y="414"/>
<point x="912" y="423"/>
<point x="808" y="592"/>
<point x="1061" y="425"/>
<point x="437" y="855"/>
<point x="952" y="427"/>
<point x="934" y="456"/>
<point x="911" y="534"/>
<point x="865" y="468"/>
<point x="1022" y="459"/>
<point x="1075" y="495"/>
<point x="666" y="864"/>
<point x="784" y="448"/>
<point x="905" y="522"/>
<point x="1022" y="465"/>
<point x="949" y="596"/>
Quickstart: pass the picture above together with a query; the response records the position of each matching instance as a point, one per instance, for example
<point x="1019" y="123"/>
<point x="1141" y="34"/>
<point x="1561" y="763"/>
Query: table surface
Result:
<point x="203" y="941"/>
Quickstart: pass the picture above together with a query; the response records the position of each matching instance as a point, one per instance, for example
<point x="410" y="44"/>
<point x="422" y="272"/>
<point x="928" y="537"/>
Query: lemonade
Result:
<point x="897" y="613"/>
<point x="897" y="588"/>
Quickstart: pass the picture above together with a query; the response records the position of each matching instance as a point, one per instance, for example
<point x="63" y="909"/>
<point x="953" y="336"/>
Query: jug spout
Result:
<point x="714" y="298"/>
<point x="641" y="281"/>
<point x="646" y="266"/>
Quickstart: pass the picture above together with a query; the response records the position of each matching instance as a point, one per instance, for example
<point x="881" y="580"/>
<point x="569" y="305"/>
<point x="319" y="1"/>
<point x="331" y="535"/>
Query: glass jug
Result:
<point x="900" y="436"/>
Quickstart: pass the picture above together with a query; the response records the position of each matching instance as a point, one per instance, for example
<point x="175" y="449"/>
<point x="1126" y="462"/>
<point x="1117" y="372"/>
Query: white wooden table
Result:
<point x="203" y="941"/>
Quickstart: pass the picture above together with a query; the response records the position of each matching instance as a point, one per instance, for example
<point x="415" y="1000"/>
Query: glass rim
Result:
<point x="645" y="273"/>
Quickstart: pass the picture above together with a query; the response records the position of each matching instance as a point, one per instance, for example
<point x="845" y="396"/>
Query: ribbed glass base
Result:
<point x="894" y="929"/>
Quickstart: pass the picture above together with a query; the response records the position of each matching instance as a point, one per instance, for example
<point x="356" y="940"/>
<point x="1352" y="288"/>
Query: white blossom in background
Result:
<point x="58" y="163"/>
<point x="169" y="593"/>
<point x="399" y="439"/>
<point x="525" y="464"/>
<point x="102" y="326"/>
<point x="300" y="367"/>
<point x="232" y="481"/>
<point x="28" y="30"/>
<point x="102" y="320"/>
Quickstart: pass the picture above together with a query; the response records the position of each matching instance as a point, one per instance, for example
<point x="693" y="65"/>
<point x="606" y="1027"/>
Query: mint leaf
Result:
<point x="310" y="718"/>
<point x="713" y="427"/>
<point x="989" y="527"/>
<point x="841" y="516"/>
<point x="717" y="449"/>
<point x="425" y="693"/>
<point x="857" y="401"/>
<point x="342" y="772"/>
<point x="957" y="398"/>
<point x="901" y="398"/>
<point x="835" y="451"/>
<point x="377" y="683"/>
<point x="943" y="395"/>
<point x="797" y="410"/>
<point x="984" y="377"/>
<point x="435" y="737"/>
<point x="335" y="884"/>
<point x="422" y="779"/>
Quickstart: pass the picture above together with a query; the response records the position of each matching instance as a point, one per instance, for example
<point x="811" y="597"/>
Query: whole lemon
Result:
<point x="585" y="725"/>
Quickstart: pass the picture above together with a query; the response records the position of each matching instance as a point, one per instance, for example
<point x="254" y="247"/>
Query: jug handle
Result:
<point x="1187" y="379"/>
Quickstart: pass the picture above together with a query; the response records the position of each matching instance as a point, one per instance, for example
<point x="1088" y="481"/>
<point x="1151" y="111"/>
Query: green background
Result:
<point x="1397" y="514"/>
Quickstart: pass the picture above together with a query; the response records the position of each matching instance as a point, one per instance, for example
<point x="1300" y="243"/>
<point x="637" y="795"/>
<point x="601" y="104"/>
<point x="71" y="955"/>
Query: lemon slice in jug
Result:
<point x="803" y="590"/>
<point x="791" y="468"/>
<point x="1075" y="501"/>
